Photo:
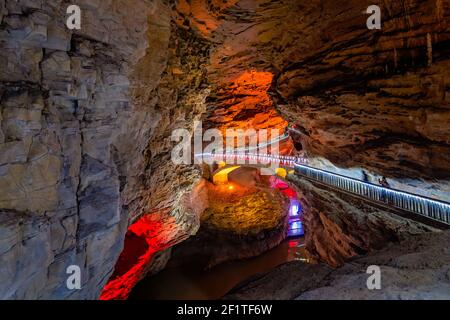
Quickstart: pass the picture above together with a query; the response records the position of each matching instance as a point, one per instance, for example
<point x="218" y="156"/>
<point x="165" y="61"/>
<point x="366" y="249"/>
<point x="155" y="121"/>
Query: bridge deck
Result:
<point x="426" y="209"/>
<point x="383" y="206"/>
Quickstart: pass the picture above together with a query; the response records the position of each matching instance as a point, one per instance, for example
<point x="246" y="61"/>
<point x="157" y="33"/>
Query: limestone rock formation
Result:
<point x="85" y="123"/>
<point x="416" y="268"/>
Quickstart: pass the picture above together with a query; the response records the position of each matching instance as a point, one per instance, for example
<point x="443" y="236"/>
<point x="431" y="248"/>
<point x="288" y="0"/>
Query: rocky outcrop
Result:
<point x="239" y="221"/>
<point x="416" y="268"/>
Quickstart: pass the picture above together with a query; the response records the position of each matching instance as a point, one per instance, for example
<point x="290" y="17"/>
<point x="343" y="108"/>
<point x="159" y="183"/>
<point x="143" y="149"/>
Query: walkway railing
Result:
<point x="421" y="205"/>
<point x="430" y="208"/>
<point x="254" y="158"/>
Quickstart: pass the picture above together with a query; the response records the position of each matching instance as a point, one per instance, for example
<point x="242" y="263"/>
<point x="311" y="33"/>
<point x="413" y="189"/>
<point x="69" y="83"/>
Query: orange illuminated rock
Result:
<point x="202" y="15"/>
<point x="243" y="103"/>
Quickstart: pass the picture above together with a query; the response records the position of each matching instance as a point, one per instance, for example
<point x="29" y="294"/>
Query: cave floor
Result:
<point x="191" y="282"/>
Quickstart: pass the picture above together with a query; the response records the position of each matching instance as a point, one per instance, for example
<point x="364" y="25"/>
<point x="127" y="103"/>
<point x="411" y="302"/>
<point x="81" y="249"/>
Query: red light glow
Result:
<point x="283" y="187"/>
<point x="143" y="239"/>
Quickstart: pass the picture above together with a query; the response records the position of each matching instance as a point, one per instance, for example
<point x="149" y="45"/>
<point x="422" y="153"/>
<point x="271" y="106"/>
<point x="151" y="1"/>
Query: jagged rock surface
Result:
<point x="416" y="268"/>
<point x="85" y="124"/>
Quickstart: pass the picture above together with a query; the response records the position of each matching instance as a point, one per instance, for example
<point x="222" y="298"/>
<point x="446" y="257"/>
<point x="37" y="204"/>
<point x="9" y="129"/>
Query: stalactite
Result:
<point x="395" y="59"/>
<point x="439" y="10"/>
<point x="429" y="49"/>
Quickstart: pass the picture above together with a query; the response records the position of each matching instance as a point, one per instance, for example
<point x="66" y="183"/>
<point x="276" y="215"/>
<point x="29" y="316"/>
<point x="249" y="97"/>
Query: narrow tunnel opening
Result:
<point x="142" y="242"/>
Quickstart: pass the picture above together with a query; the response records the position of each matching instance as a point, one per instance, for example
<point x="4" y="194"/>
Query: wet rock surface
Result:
<point x="416" y="268"/>
<point x="239" y="223"/>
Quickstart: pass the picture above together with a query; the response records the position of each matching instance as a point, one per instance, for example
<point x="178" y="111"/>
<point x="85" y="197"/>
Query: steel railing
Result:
<point x="254" y="158"/>
<point x="434" y="209"/>
<point x="430" y="208"/>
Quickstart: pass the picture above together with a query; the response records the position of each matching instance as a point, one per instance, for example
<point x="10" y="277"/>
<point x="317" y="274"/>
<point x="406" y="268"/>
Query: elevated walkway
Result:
<point x="433" y="211"/>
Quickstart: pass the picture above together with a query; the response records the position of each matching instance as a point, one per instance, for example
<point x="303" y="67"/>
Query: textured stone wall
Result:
<point x="64" y="115"/>
<point x="414" y="269"/>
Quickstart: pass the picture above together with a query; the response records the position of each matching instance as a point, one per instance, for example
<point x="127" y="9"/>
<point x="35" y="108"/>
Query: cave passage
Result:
<point x="191" y="282"/>
<point x="198" y="275"/>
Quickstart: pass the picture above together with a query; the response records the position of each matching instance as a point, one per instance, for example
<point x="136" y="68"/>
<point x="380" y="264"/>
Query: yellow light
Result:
<point x="221" y="177"/>
<point x="281" y="172"/>
<point x="222" y="164"/>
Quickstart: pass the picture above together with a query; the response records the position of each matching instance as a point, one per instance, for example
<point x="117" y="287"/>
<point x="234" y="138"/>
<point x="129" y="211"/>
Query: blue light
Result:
<point x="294" y="210"/>
<point x="296" y="225"/>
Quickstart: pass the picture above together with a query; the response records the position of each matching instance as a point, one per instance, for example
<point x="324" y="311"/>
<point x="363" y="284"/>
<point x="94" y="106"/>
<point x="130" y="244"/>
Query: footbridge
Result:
<point x="431" y="209"/>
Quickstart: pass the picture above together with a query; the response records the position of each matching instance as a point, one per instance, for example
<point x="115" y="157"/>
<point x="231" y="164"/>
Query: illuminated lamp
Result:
<point x="281" y="172"/>
<point x="294" y="210"/>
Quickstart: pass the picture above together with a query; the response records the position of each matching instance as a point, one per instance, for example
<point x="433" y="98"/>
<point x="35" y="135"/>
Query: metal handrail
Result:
<point x="266" y="158"/>
<point x="422" y="205"/>
<point x="431" y="208"/>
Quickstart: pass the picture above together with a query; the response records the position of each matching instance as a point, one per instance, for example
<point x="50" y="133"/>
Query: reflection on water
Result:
<point x="190" y="282"/>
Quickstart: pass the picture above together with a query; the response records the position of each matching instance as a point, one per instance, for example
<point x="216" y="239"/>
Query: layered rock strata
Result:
<point x="85" y="123"/>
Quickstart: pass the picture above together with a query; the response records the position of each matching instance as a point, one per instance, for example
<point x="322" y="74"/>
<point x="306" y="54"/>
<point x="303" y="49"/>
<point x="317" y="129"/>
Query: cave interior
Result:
<point x="240" y="149"/>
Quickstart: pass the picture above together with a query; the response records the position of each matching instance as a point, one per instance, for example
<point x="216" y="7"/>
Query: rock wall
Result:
<point x="71" y="102"/>
<point x="63" y="112"/>
<point x="372" y="98"/>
